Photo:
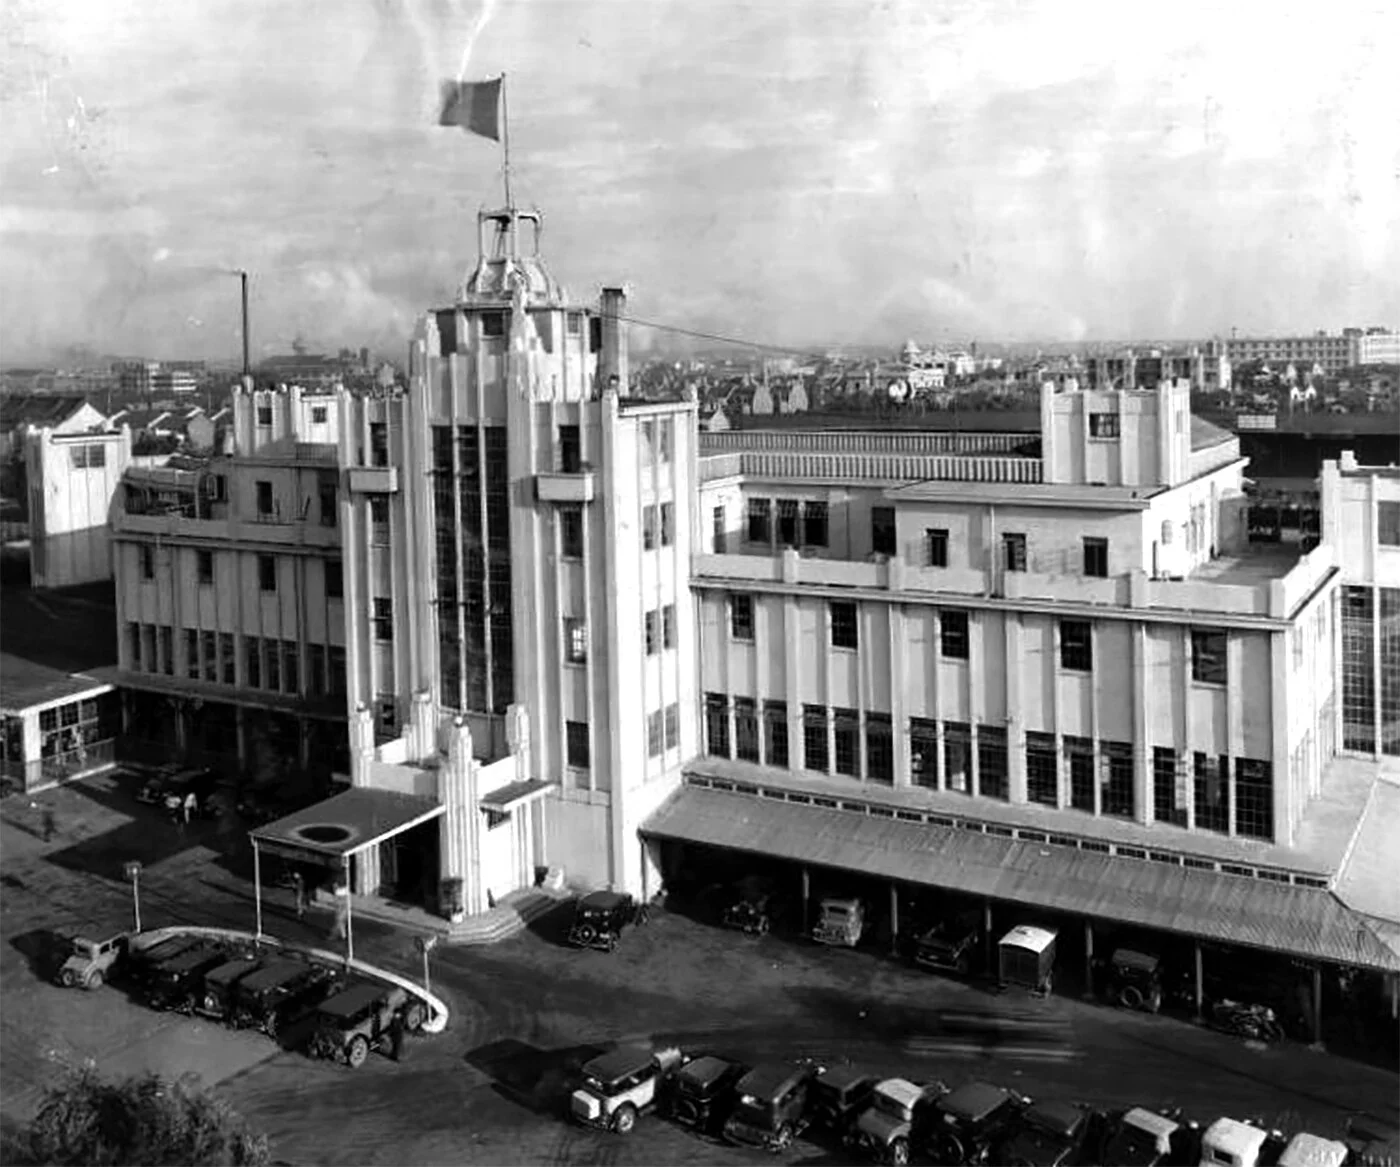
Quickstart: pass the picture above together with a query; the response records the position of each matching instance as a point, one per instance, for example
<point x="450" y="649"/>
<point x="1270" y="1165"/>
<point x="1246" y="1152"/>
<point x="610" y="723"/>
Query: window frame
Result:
<point x="1013" y="550"/>
<point x="1207" y="666"/>
<point x="742" y="629"/>
<point x="575" y="640"/>
<point x="267" y="574"/>
<point x="1095" y="556"/>
<point x="578" y="754"/>
<point x="960" y="635"/>
<point x="758" y="521"/>
<point x="816" y="523"/>
<point x="1076" y="656"/>
<point x="1104" y="425"/>
<point x="884" y="531"/>
<point x="936" y="546"/>
<point x="667" y="513"/>
<point x="845" y="624"/>
<point x="571" y="532"/>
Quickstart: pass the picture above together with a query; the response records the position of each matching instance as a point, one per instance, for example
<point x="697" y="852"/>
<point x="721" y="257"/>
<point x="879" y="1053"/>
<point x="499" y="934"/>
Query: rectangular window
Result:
<point x="1042" y="769"/>
<point x="378" y="443"/>
<point x="291" y="666"/>
<point x="335" y="580"/>
<point x="1167" y="806"/>
<point x="204" y="566"/>
<point x="740" y="616"/>
<point x="717" y="529"/>
<point x="1358" y="669"/>
<point x="133" y="644"/>
<point x="167" y="650"/>
<point x="1103" y="425"/>
<point x="775" y="733"/>
<point x="335" y="670"/>
<point x="654" y="734"/>
<point x="879" y="748"/>
<point x="759" y="516"/>
<point x="1389" y="633"/>
<point x="264" y="415"/>
<point x="668" y="523"/>
<point x="272" y="664"/>
<point x="745" y="729"/>
<point x="316" y="678"/>
<point x="936" y="540"/>
<point x="1254" y="799"/>
<point x="1079" y="754"/>
<point x="228" y="660"/>
<point x="717" y="725"/>
<point x="668" y="626"/>
<point x="1212" y="792"/>
<point x="319" y="414"/>
<point x="993" y="779"/>
<point x="815" y="524"/>
<point x="957" y="756"/>
<point x="1116" y="758"/>
<point x="379" y="520"/>
<point x="1076" y="645"/>
<point x="883" y="537"/>
<point x="1096" y="557"/>
<point x="673" y="726"/>
<point x="148" y="562"/>
<point x="788" y="512"/>
<point x="575" y="640"/>
<point x="493" y="324"/>
<point x="846" y="741"/>
<point x="1388" y="523"/>
<point x="383" y="619"/>
<point x="328" y="497"/>
<point x="652" y="629"/>
<point x="192" y="654"/>
<point x="387" y="710"/>
<point x="647" y="434"/>
<point x="267" y="573"/>
<point x="571" y="532"/>
<point x="845" y="631"/>
<point x="953" y="633"/>
<point x="570" y="450"/>
<point x="1013" y="546"/>
<point x="649" y="528"/>
<point x="574" y="323"/>
<point x="665" y="439"/>
<point x="264" y="498"/>
<point x="576" y="744"/>
<point x="1208" y="658"/>
<point x="923" y="752"/>
<point x="815" y="752"/>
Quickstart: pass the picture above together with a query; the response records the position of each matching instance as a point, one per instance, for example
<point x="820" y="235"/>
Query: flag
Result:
<point x="473" y="105"/>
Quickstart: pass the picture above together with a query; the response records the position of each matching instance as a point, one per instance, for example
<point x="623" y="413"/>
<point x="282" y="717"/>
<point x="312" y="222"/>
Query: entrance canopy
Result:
<point x="1304" y="922"/>
<point x="353" y="821"/>
<point x="508" y="797"/>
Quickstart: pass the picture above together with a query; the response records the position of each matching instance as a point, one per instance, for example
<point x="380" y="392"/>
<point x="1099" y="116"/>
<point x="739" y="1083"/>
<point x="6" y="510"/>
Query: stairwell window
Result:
<point x="741" y="617"/>
<point x="759" y="528"/>
<point x="883" y="538"/>
<point x="267" y="573"/>
<point x="845" y="627"/>
<point x="1208" y="656"/>
<point x="1096" y="557"/>
<point x="576" y="749"/>
<point x="575" y="641"/>
<point x="1014" y="551"/>
<point x="1076" y="645"/>
<point x="383" y="619"/>
<point x="815" y="523"/>
<point x="936" y="540"/>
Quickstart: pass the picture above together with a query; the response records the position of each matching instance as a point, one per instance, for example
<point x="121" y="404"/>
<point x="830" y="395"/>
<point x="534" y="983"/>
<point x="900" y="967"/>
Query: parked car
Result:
<point x="1026" y="957"/>
<point x="142" y="963"/>
<point x="1308" y="1150"/>
<point x="950" y="946"/>
<point x="1139" y="1137"/>
<point x="1371" y="1143"/>
<point x="771" y="1108"/>
<point x="619" y="1086"/>
<point x="169" y="790"/>
<point x="1243" y="1019"/>
<point x="1227" y="1142"/>
<point x="750" y="916"/>
<point x="177" y="984"/>
<point x="885" y="1129"/>
<point x="841" y="923"/>
<point x="701" y="1093"/>
<point x="837" y="1097"/>
<point x="356" y="1020"/>
<point x="217" y="999"/>
<point x="284" y="990"/>
<point x="1051" y="1134"/>
<point x="1135" y="980"/>
<point x="92" y="961"/>
<point x="970" y="1121"/>
<point x="599" y="919"/>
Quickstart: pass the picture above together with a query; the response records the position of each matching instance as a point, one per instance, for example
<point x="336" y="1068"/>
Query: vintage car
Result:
<point x="885" y="1130"/>
<point x="750" y="915"/>
<point x="599" y="919"/>
<point x="142" y="963"/>
<point x="1026" y="958"/>
<point x="284" y="990"/>
<point x="216" y="1000"/>
<point x="841" y="923"/>
<point x="90" y="962"/>
<point x="619" y="1086"/>
<point x="837" y="1096"/>
<point x="1372" y="1142"/>
<point x="701" y="1092"/>
<point x="1139" y="1137"/>
<point x="1308" y="1150"/>
<point x="178" y="983"/>
<point x="950" y="946"/>
<point x="1135" y="980"/>
<point x="969" y="1122"/>
<point x="1227" y="1142"/>
<point x="771" y="1109"/>
<point x="1050" y="1134"/>
<point x="170" y="788"/>
<point x="358" y="1019"/>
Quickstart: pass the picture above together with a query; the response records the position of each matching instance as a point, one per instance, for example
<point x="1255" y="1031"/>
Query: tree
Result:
<point x="138" y="1120"/>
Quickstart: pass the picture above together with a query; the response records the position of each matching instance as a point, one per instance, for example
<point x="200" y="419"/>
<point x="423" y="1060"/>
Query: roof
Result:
<point x="618" y="1063"/>
<point x="1026" y="936"/>
<point x="272" y="974"/>
<point x="352" y="999"/>
<point x="25" y="684"/>
<point x="514" y="793"/>
<point x="1058" y="1117"/>
<point x="349" y="823"/>
<point x="1205" y="434"/>
<point x="1159" y="1126"/>
<point x="841" y="1078"/>
<point x="704" y="1070"/>
<point x="603" y="901"/>
<point x="38" y="409"/>
<point x="1237" y="1139"/>
<point x="1309" y="1150"/>
<point x="1131" y="958"/>
<point x="1300" y="921"/>
<point x="973" y="1101"/>
<point x="1367" y="880"/>
<point x="768" y="1079"/>
<point x="231" y="969"/>
<point x="901" y="1090"/>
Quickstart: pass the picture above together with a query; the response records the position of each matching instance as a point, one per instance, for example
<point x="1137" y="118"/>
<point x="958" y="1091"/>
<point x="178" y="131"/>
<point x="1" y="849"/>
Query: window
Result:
<point x="758" y="526"/>
<point x="936" y="540"/>
<point x="204" y="566"/>
<point x="814" y="524"/>
<point x="264" y="500"/>
<point x="228" y="662"/>
<point x="335" y="670"/>
<point x="133" y="644"/>
<point x="648" y="528"/>
<point x="993" y="780"/>
<point x="1208" y="657"/>
<point x="923" y="752"/>
<point x="1103" y="425"/>
<point x="668" y="523"/>
<point x="291" y="666"/>
<point x="668" y="626"/>
<point x="272" y="665"/>
<point x="1076" y="645"/>
<point x="493" y="324"/>
<point x="879" y="748"/>
<point x="673" y="726"/>
<point x="167" y="650"/>
<point x="717" y="725"/>
<point x="148" y="563"/>
<point x="218" y="488"/>
<point x="1358" y="668"/>
<point x="665" y="438"/>
<point x="745" y="729"/>
<point x="267" y="573"/>
<point x="316" y="670"/>
<point x="1013" y="547"/>
<point x="775" y="733"/>
<point x="741" y="617"/>
<point x="847" y="741"/>
<point x="1254" y="799"/>
<point x="1117" y="795"/>
<point x="654" y="734"/>
<point x="844" y="628"/>
<point x="1096" y="557"/>
<point x="383" y="619"/>
<point x="1387" y="523"/>
<point x="1212" y="792"/>
<point x="647" y="434"/>
<point x="571" y="532"/>
<point x="788" y="511"/>
<point x="717" y="529"/>
<point x="883" y="540"/>
<point x="814" y="738"/>
<point x="652" y="629"/>
<point x="192" y="654"/>
<point x="319" y="414"/>
<point x="574" y="323"/>
<point x="379" y="520"/>
<point x="264" y="415"/>
<point x="576" y="744"/>
<point x="957" y="756"/>
<point x="1042" y="769"/>
<point x="1389" y="633"/>
<point x="570" y="450"/>
<point x="1168" y="802"/>
<point x="335" y="580"/>
<point x="953" y="633"/>
<point x="575" y="640"/>
<point x="327" y="491"/>
<point x="1079" y="753"/>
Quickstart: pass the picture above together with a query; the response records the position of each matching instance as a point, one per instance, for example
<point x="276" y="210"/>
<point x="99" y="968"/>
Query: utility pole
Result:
<point x="243" y="284"/>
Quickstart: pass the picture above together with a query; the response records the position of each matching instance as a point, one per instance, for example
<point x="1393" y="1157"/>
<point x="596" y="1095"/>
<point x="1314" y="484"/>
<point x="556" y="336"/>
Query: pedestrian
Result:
<point x="342" y="902"/>
<point x="396" y="1036"/>
<point x="299" y="891"/>
<point x="188" y="806"/>
<point x="49" y="825"/>
<point x="643" y="914"/>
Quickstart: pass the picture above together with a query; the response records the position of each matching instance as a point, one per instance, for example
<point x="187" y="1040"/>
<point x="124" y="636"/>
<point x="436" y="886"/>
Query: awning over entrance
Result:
<point x="345" y="825"/>
<point x="1303" y="922"/>
<point x="512" y="795"/>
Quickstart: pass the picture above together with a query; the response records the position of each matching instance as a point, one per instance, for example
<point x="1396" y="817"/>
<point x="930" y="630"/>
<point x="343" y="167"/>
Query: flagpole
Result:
<point x="505" y="131"/>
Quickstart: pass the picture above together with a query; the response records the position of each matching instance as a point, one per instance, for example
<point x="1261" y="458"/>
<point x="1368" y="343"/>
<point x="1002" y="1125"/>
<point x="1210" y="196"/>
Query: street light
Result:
<point x="133" y="873"/>
<point x="425" y="945"/>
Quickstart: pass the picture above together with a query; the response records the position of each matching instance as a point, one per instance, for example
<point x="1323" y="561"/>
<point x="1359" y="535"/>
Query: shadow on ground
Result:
<point x="537" y="1079"/>
<point x="553" y="926"/>
<point x="44" y="950"/>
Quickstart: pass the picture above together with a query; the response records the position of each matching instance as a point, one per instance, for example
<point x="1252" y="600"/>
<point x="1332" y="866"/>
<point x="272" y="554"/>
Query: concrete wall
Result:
<point x="70" y="500"/>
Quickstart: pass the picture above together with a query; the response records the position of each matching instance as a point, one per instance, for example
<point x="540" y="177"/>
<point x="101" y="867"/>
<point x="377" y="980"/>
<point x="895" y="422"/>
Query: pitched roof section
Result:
<point x="1205" y="434"/>
<point x="1367" y="882"/>
<point x="38" y="409"/>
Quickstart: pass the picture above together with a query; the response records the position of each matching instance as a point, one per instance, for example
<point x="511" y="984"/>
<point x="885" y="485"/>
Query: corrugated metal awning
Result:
<point x="1302" y="922"/>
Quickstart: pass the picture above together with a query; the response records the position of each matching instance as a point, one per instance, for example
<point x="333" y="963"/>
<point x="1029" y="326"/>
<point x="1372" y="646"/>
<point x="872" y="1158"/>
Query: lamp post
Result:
<point x="425" y="945"/>
<point x="133" y="873"/>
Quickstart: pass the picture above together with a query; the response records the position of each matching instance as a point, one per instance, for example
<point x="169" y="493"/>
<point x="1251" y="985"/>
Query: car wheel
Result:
<point x="94" y="980"/>
<point x="1130" y="997"/>
<point x="763" y="927"/>
<point x="899" y="1152"/>
<point x="783" y="1140"/>
<point x="625" y="1119"/>
<point x="611" y="942"/>
<point x="357" y="1052"/>
<point x="413" y="1018"/>
<point x="270" y="1025"/>
<point x="67" y="978"/>
<point x="586" y="934"/>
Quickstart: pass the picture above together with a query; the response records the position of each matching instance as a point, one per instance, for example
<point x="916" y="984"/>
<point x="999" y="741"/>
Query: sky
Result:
<point x="795" y="172"/>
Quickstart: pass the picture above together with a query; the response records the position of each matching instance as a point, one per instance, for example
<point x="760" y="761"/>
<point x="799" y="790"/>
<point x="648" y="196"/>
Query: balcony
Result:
<point x="566" y="488"/>
<point x="786" y="466"/>
<point x="905" y="443"/>
<point x="374" y="480"/>
<point x="270" y="530"/>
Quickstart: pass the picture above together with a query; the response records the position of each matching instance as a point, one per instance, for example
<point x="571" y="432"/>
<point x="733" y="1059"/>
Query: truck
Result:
<point x="841" y="922"/>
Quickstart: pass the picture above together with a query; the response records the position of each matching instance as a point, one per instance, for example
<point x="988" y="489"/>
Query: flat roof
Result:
<point x="25" y="684"/>
<point x="349" y="822"/>
<point x="1254" y="564"/>
<point x="514" y="793"/>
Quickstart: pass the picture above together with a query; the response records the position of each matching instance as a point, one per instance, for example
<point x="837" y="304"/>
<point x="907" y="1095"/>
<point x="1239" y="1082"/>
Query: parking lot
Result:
<point x="527" y="1012"/>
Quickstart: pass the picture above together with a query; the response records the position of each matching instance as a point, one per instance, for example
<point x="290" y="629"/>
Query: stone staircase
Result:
<point x="512" y="914"/>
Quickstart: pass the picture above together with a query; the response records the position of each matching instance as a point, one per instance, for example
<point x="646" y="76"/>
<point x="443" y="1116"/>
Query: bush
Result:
<point x="139" y="1120"/>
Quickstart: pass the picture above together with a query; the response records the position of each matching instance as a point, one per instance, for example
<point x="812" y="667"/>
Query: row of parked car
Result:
<point x="895" y="1120"/>
<point x="251" y="987"/>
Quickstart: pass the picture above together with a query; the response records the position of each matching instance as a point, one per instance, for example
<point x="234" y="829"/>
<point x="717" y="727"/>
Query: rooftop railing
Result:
<point x="872" y="467"/>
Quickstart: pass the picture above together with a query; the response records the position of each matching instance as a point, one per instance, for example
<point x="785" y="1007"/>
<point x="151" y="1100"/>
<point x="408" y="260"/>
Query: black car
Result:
<point x="279" y="993"/>
<point x="969" y="1122"/>
<point x="599" y="919"/>
<point x="142" y="963"/>
<point x="1135" y="980"/>
<point x="950" y="946"/>
<point x="770" y="1107"/>
<point x="701" y="1093"/>
<point x="178" y="983"/>
<point x="1051" y="1134"/>
<point x="837" y="1097"/>
<point x="216" y="999"/>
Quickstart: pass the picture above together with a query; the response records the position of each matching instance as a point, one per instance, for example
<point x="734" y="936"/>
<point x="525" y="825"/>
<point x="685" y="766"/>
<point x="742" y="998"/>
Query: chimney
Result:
<point x="613" y="358"/>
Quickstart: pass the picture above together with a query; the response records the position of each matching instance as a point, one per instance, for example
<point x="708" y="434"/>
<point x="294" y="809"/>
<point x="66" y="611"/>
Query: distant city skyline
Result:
<point x="808" y="175"/>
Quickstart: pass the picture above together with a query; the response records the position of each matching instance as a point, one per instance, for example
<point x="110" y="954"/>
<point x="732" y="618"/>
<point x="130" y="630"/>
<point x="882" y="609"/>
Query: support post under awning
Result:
<point x="349" y="921"/>
<point x="257" y="887"/>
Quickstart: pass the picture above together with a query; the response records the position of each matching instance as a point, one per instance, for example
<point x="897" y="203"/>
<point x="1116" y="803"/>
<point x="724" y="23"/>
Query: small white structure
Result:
<point x="1231" y="1143"/>
<point x="1306" y="1150"/>
<point x="1026" y="956"/>
<point x="72" y="476"/>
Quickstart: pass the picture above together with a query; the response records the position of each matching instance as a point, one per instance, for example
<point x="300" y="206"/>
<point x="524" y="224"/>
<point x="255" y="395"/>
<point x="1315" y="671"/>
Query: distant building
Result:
<point x="157" y="379"/>
<point x="1378" y="348"/>
<point x="1333" y="352"/>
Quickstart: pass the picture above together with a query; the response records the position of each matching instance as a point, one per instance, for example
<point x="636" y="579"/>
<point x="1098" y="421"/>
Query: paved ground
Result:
<point x="490" y="1090"/>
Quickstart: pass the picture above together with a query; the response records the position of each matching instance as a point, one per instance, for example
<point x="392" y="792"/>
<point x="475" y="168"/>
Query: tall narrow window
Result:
<point x="192" y="654"/>
<point x="383" y="619"/>
<point x="668" y="626"/>
<point x="846" y="741"/>
<point x="957" y="756"/>
<point x="378" y="444"/>
<point x="379" y="520"/>
<point x="745" y="729"/>
<point x="335" y="580"/>
<point x="148" y="562"/>
<point x="654" y="734"/>
<point x="953" y="633"/>
<point x="665" y="439"/>
<point x="291" y="666"/>
<point x="272" y="664"/>
<point x="758" y="521"/>
<point x="717" y="725"/>
<point x="328" y="492"/>
<point x="1013" y="546"/>
<point x="575" y="641"/>
<point x="1254" y="799"/>
<point x="204" y="566"/>
<point x="570" y="450"/>
<point x="1208" y="657"/>
<point x="571" y="532"/>
<point x="879" y="748"/>
<point x="1116" y="758"/>
<point x="816" y="755"/>
<point x="576" y="744"/>
<point x="741" y="616"/>
<point x="267" y="573"/>
<point x="1096" y="557"/>
<point x="1167" y="805"/>
<point x="923" y="752"/>
<point x="228" y="662"/>
<point x="775" y="733"/>
<point x="264" y="498"/>
<point x="814" y="524"/>
<point x="673" y="726"/>
<point x="651" y="627"/>
<point x="1212" y="791"/>
<point x="789" y="510"/>
<point x="936" y="540"/>
<point x="883" y="537"/>
<point x="845" y="626"/>
<point x="668" y="523"/>
<point x="648" y="528"/>
<point x="993" y="779"/>
<point x="1042" y="769"/>
<point x="717" y="522"/>
<point x="1076" y="645"/>
<point x="1079" y="754"/>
